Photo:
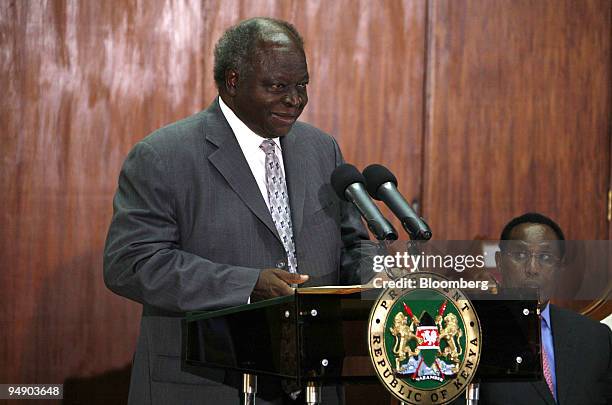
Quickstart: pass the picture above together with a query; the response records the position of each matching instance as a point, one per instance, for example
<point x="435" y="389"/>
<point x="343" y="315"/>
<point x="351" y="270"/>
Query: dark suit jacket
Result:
<point x="191" y="231"/>
<point x="583" y="364"/>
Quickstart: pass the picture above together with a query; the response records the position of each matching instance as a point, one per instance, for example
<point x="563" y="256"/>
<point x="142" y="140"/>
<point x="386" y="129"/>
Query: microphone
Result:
<point x="349" y="184"/>
<point x="382" y="185"/>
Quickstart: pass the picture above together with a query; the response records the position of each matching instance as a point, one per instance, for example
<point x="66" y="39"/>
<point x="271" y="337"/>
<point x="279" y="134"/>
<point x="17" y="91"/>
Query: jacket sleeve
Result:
<point x="142" y="256"/>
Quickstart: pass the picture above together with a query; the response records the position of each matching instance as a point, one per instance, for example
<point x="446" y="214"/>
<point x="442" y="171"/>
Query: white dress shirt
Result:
<point x="249" y="142"/>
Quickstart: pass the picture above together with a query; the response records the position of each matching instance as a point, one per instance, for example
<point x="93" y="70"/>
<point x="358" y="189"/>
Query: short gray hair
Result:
<point x="235" y="47"/>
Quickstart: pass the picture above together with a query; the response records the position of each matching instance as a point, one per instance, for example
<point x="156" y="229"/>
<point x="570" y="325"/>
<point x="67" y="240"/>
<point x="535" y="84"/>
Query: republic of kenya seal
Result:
<point x="425" y="344"/>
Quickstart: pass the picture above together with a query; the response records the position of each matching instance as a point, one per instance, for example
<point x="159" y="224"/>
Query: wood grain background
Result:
<point x="518" y="115"/>
<point x="483" y="109"/>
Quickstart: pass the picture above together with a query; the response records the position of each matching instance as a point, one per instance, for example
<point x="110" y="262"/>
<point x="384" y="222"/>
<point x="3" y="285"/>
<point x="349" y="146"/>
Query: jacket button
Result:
<point x="281" y="264"/>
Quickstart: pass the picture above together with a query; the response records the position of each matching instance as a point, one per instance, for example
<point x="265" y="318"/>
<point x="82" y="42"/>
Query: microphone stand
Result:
<point x="472" y="393"/>
<point x="313" y="393"/>
<point x="249" y="389"/>
<point x="416" y="238"/>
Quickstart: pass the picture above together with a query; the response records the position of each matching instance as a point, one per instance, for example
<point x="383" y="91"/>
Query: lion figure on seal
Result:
<point x="451" y="333"/>
<point x="404" y="334"/>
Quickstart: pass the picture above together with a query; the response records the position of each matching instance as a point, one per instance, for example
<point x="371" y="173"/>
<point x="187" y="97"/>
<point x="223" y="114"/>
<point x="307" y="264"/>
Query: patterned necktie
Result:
<point x="278" y="200"/>
<point x="546" y="366"/>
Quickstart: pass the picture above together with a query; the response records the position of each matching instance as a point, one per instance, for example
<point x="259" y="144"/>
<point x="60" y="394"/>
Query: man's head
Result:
<point x="261" y="74"/>
<point x="531" y="253"/>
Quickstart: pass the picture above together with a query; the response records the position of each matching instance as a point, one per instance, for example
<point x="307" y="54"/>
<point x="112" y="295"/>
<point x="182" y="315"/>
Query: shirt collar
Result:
<point x="546" y="314"/>
<point x="244" y="135"/>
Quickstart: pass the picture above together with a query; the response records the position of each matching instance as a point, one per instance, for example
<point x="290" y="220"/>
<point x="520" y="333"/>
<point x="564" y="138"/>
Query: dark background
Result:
<point x="484" y="110"/>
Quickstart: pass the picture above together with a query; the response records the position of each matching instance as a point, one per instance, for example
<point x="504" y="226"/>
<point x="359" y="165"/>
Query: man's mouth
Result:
<point x="286" y="118"/>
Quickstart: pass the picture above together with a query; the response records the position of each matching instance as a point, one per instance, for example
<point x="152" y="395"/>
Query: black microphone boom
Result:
<point x="382" y="185"/>
<point x="349" y="184"/>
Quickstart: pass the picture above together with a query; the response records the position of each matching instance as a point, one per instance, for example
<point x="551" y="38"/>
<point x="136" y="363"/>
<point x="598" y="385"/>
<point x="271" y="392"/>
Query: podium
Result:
<point x="318" y="336"/>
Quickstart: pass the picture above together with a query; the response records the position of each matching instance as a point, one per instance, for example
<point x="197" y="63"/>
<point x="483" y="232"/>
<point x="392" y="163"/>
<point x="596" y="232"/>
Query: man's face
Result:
<point x="531" y="258"/>
<point x="271" y="97"/>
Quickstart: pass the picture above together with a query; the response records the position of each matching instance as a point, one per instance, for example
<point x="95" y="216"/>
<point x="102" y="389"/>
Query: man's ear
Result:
<point x="498" y="261"/>
<point x="231" y="82"/>
<point x="563" y="264"/>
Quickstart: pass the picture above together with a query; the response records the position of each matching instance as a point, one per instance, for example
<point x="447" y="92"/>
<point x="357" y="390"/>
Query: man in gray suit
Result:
<point x="576" y="351"/>
<point x="192" y="227"/>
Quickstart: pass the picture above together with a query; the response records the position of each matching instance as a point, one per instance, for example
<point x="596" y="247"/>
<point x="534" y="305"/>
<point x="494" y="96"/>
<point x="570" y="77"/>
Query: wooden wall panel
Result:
<point x="518" y="115"/>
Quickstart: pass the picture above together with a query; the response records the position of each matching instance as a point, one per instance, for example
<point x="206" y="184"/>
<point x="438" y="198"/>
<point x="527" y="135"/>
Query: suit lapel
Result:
<point x="542" y="389"/>
<point x="229" y="160"/>
<point x="564" y="347"/>
<point x="295" y="172"/>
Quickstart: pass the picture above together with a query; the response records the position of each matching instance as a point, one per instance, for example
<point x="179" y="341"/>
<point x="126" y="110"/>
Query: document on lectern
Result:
<point x="333" y="289"/>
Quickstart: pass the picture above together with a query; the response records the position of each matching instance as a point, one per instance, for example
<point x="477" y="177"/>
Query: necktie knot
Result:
<point x="268" y="146"/>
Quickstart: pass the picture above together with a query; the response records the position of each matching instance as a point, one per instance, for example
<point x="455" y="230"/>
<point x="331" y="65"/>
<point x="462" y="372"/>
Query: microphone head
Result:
<point x="343" y="176"/>
<point x="375" y="176"/>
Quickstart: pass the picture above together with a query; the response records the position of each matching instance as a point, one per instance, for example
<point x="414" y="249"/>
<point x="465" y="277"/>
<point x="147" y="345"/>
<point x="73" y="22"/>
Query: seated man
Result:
<point x="576" y="351"/>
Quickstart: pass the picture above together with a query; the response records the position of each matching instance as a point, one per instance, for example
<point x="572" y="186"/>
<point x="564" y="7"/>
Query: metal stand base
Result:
<point x="313" y="393"/>
<point x="249" y="389"/>
<point x="472" y="394"/>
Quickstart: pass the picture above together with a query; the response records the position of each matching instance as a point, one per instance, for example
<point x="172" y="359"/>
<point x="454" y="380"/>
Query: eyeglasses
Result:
<point x="546" y="260"/>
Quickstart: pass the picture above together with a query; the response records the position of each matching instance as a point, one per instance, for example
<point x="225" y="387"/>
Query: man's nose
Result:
<point x="532" y="265"/>
<point x="292" y="98"/>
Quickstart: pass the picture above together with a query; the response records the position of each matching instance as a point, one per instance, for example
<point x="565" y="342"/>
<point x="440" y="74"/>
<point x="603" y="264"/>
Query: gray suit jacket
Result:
<point x="191" y="231"/>
<point x="583" y="367"/>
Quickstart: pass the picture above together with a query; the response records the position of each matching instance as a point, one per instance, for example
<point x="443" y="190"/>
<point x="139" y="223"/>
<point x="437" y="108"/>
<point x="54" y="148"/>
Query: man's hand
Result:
<point x="275" y="283"/>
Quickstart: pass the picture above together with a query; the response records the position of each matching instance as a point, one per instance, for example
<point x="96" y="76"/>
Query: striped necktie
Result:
<point x="546" y="366"/>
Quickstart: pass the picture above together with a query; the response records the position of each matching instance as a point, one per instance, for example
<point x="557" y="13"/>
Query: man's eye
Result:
<point x="519" y="255"/>
<point x="302" y="85"/>
<point x="548" y="259"/>
<point x="277" y="86"/>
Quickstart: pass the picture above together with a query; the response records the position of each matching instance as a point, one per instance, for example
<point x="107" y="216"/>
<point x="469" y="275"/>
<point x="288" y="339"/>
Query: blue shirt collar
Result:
<point x="546" y="315"/>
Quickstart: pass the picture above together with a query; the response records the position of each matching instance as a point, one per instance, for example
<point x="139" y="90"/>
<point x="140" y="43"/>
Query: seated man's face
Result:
<point x="531" y="258"/>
